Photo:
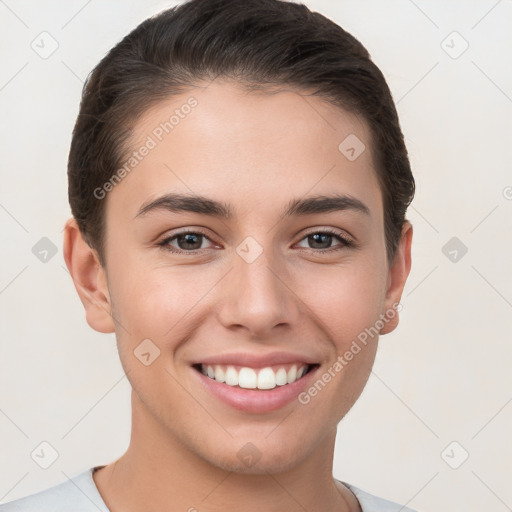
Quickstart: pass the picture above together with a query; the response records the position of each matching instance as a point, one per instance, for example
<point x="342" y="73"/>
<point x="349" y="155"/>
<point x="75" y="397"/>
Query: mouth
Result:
<point x="266" y="378"/>
<point x="255" y="390"/>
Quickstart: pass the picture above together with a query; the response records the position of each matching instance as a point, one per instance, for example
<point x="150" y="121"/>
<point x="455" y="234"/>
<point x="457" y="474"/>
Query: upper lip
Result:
<point x="256" y="360"/>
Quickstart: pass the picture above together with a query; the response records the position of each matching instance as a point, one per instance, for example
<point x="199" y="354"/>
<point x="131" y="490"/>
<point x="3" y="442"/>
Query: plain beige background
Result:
<point x="441" y="387"/>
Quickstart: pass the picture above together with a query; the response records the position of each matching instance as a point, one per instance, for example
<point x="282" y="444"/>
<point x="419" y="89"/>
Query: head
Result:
<point x="286" y="131"/>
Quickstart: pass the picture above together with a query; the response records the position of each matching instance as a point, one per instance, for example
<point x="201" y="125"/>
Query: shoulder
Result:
<point x="77" y="494"/>
<point x="371" y="503"/>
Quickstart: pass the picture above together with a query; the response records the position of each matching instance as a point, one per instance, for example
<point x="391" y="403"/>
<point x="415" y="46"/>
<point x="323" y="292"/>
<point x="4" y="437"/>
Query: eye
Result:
<point x="322" y="240"/>
<point x="187" y="241"/>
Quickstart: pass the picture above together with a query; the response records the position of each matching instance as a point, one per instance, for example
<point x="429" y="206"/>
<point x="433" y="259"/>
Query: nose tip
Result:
<point x="257" y="297"/>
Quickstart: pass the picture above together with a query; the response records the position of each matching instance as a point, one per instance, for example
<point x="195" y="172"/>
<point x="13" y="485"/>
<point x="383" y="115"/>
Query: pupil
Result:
<point x="189" y="239"/>
<point x="317" y="235"/>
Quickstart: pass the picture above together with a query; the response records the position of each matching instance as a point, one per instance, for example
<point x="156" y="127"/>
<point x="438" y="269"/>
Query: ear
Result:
<point x="89" y="278"/>
<point x="397" y="275"/>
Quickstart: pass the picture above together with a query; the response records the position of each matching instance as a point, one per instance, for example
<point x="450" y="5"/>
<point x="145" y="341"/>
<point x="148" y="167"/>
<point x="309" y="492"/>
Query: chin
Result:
<point x="251" y="460"/>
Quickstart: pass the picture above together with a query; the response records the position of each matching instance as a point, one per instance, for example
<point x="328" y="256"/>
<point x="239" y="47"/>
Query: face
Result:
<point x="270" y="295"/>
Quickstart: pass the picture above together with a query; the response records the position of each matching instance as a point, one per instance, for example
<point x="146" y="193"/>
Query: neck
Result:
<point x="157" y="470"/>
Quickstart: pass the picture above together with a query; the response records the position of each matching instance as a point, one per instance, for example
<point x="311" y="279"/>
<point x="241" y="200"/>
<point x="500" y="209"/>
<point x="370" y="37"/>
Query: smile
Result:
<point x="255" y="383"/>
<point x="265" y="378"/>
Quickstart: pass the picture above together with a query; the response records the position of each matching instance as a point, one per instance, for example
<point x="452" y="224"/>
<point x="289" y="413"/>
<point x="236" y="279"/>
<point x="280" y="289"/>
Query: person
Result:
<point x="239" y="181"/>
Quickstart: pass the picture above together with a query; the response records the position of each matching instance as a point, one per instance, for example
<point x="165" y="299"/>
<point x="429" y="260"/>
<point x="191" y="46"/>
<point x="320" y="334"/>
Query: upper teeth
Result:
<point x="245" y="377"/>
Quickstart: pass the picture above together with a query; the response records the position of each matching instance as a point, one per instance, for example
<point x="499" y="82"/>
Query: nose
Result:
<point x="258" y="297"/>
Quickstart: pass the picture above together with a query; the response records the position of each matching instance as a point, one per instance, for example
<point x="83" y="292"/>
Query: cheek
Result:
<point x="157" y="305"/>
<point x="163" y="303"/>
<point x="347" y="305"/>
<point x="346" y="300"/>
<point x="152" y="303"/>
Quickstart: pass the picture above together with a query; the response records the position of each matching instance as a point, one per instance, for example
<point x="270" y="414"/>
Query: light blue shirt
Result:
<point x="80" y="494"/>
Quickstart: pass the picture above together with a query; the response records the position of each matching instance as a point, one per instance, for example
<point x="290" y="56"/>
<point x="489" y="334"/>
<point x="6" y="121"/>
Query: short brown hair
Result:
<point x="259" y="43"/>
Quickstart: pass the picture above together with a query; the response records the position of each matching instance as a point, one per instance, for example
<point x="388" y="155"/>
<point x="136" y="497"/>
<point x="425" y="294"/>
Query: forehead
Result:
<point x="256" y="147"/>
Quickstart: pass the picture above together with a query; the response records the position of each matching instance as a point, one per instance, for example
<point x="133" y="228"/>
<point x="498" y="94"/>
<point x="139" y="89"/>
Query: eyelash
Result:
<point x="346" y="242"/>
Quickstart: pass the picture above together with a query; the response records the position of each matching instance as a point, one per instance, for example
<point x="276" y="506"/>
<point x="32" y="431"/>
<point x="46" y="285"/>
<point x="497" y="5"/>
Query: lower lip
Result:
<point x="254" y="400"/>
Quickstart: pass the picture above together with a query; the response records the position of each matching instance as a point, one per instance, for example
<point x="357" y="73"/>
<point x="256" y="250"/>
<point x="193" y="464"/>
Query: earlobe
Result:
<point x="89" y="278"/>
<point x="397" y="276"/>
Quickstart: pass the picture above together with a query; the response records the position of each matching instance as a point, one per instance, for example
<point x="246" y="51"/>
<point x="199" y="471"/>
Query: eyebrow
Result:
<point x="179" y="203"/>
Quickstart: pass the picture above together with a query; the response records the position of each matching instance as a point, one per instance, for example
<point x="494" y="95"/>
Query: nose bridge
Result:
<point x="257" y="296"/>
